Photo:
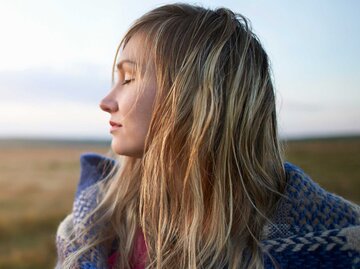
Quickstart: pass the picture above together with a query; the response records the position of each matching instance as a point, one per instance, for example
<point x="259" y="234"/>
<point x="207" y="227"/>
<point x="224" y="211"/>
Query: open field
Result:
<point x="37" y="186"/>
<point x="38" y="181"/>
<point x="333" y="163"/>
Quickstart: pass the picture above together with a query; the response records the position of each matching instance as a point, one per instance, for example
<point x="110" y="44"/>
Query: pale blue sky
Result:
<point x="56" y="57"/>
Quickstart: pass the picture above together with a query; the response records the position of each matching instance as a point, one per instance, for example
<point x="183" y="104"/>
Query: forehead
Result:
<point x="134" y="51"/>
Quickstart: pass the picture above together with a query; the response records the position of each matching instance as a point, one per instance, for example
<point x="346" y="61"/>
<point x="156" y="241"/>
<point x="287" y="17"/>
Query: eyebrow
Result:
<point x="119" y="64"/>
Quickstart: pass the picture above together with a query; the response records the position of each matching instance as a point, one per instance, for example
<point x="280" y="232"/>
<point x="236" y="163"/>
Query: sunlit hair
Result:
<point x="212" y="169"/>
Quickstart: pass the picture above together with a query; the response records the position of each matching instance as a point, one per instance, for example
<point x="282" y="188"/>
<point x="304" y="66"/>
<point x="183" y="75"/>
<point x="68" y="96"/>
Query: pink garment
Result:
<point x="139" y="256"/>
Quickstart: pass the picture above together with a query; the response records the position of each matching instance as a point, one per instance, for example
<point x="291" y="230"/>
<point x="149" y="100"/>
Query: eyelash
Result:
<point x="127" y="81"/>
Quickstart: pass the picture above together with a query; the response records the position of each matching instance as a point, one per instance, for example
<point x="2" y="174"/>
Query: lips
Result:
<point x="113" y="123"/>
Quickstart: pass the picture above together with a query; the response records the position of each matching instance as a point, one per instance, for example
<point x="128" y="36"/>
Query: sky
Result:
<point x="56" y="58"/>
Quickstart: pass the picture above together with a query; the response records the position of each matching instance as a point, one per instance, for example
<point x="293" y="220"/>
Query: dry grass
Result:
<point x="333" y="163"/>
<point x="38" y="181"/>
<point x="37" y="187"/>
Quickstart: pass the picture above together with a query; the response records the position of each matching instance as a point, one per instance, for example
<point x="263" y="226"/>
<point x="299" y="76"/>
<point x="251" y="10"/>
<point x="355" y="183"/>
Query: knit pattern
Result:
<point x="311" y="228"/>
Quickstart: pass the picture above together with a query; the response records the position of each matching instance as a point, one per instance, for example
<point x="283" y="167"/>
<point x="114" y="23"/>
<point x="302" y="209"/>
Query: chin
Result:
<point x="119" y="149"/>
<point x="116" y="147"/>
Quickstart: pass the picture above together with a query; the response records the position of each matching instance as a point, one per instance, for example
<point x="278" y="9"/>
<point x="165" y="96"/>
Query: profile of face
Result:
<point x="133" y="115"/>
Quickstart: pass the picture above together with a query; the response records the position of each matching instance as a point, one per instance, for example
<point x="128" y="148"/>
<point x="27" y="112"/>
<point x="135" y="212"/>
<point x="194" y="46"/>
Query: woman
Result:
<point x="197" y="177"/>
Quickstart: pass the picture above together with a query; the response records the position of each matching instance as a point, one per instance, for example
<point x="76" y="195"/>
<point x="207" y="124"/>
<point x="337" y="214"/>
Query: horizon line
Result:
<point x="99" y="139"/>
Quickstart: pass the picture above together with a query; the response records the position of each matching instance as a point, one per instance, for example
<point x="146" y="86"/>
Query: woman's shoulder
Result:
<point x="314" y="225"/>
<point x="307" y="207"/>
<point x="93" y="168"/>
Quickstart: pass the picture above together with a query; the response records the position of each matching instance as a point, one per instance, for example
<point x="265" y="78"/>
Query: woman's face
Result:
<point x="129" y="138"/>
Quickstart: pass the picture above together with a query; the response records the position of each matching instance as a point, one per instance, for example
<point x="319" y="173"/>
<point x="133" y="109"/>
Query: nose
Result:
<point x="108" y="104"/>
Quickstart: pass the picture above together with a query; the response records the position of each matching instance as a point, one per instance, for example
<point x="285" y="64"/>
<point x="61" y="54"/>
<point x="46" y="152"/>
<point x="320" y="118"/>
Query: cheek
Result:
<point x="136" y="116"/>
<point x="144" y="104"/>
<point x="126" y="102"/>
<point x="131" y="138"/>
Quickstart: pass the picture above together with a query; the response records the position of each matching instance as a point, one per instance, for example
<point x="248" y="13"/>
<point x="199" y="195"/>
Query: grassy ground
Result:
<point x="38" y="181"/>
<point x="37" y="186"/>
<point x="333" y="163"/>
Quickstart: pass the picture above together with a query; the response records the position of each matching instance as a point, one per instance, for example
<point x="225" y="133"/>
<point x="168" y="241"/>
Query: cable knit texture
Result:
<point x="312" y="228"/>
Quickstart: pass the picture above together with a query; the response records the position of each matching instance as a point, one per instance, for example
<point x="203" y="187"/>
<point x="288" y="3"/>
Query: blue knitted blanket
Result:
<point x="313" y="228"/>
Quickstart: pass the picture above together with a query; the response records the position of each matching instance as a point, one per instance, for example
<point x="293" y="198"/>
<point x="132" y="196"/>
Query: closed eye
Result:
<point x="126" y="81"/>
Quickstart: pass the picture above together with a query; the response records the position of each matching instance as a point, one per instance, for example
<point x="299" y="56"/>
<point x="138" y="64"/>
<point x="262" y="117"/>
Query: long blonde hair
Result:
<point x="212" y="170"/>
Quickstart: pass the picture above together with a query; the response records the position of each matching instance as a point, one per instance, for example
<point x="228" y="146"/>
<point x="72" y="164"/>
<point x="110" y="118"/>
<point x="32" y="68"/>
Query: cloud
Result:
<point x="300" y="106"/>
<point x="53" y="119"/>
<point x="84" y="83"/>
